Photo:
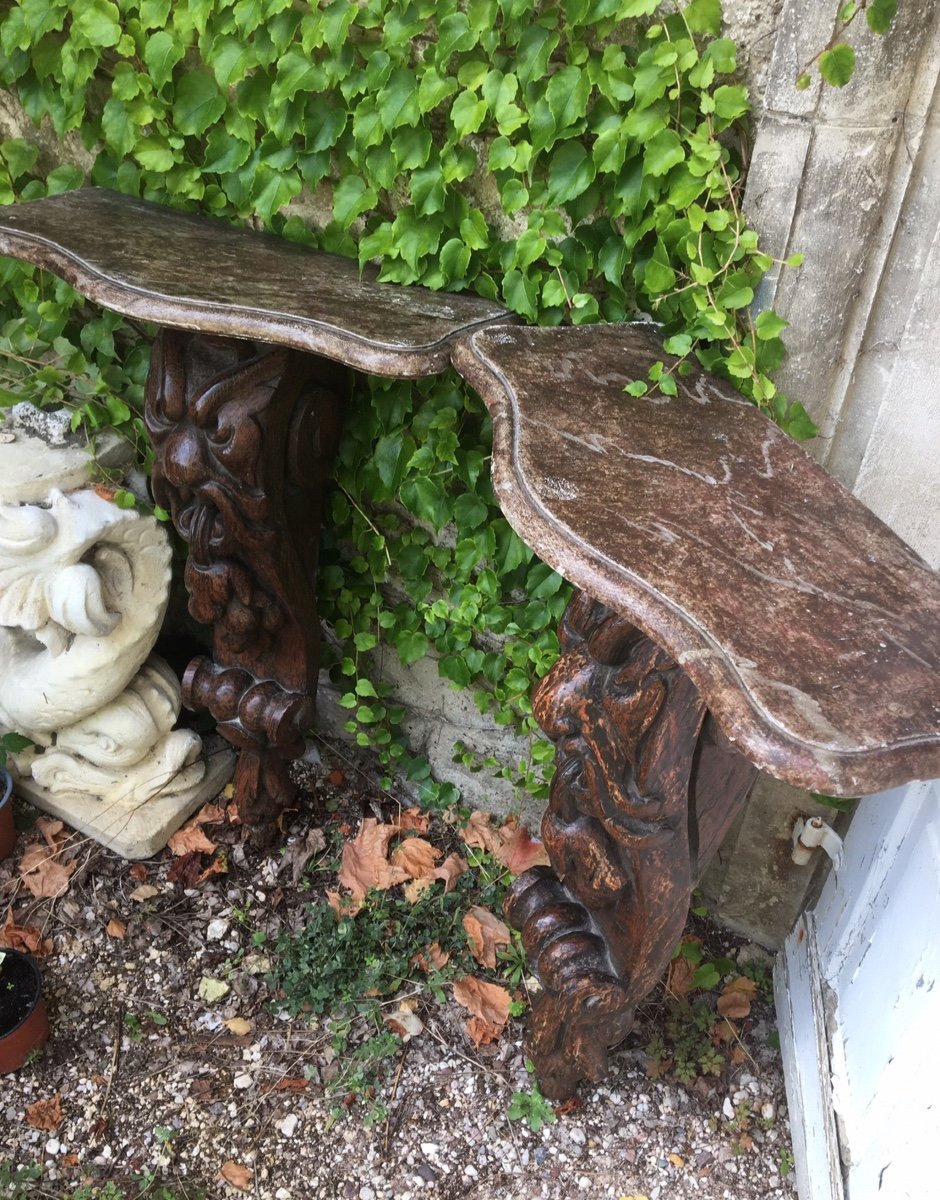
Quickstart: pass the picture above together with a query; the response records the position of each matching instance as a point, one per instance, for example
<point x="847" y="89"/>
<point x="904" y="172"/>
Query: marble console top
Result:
<point x="811" y="630"/>
<point x="190" y="272"/>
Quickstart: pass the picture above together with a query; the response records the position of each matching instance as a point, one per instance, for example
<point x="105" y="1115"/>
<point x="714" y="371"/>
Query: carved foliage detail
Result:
<point x="601" y="924"/>
<point x="244" y="441"/>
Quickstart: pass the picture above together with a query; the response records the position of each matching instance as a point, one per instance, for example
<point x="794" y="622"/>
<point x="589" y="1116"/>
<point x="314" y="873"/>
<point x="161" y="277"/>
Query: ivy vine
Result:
<point x="577" y="161"/>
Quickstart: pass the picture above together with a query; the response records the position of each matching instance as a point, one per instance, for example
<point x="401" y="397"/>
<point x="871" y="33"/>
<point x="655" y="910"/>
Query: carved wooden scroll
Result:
<point x="636" y="758"/>
<point x="244" y="440"/>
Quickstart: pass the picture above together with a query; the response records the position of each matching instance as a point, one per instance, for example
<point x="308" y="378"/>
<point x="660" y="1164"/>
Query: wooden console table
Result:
<point x="739" y="609"/>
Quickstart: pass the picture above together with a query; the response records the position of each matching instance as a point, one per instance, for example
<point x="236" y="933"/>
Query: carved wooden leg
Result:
<point x="643" y="780"/>
<point x="244" y="439"/>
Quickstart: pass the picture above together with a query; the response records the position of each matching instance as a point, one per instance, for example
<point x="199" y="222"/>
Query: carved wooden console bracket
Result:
<point x="602" y="923"/>
<point x="244" y="441"/>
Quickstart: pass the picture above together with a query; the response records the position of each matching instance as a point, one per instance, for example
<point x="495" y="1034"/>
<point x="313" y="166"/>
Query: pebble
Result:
<point x="243" y="1081"/>
<point x="216" y="930"/>
<point x="288" y="1125"/>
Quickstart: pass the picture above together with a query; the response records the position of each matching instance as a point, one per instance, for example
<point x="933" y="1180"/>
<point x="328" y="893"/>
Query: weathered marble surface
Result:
<point x="811" y="630"/>
<point x="196" y="273"/>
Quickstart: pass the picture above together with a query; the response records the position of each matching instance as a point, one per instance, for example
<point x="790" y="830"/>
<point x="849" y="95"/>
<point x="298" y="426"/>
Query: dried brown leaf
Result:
<point x="115" y="928"/>
<point x="146" y="891"/>
<point x="191" y="840"/>
<point x="365" y="864"/>
<point x="20" y="937"/>
<point x="42" y="873"/>
<point x="138" y="872"/>
<point x="485" y="933"/>
<point x="45" y="1114"/>
<point x="343" y="906"/>
<point x="511" y="845"/>
<point x="291" y="1084"/>
<point x="415" y="856"/>
<point x="735" y="999"/>
<point x="414" y="889"/>
<point x="210" y="814"/>
<point x="489" y="1004"/>
<point x="450" y="871"/>
<point x="218" y="866"/>
<point x="186" y="870"/>
<point x="414" y="818"/>
<point x="237" y="1175"/>
<point x="239" y="1026"/>
<point x="300" y="852"/>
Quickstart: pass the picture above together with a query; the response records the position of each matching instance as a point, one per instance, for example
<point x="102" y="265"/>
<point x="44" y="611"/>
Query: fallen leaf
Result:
<point x="365" y="864"/>
<point x="146" y="891"/>
<point x="404" y="1022"/>
<point x="746" y="1142"/>
<point x="191" y="839"/>
<point x="20" y="937"/>
<point x="51" y="831"/>
<point x="218" y="866"/>
<point x="416" y="857"/>
<point x="237" y="1175"/>
<point x="511" y="845"/>
<point x="485" y="933"/>
<point x="291" y="1085"/>
<point x="232" y="813"/>
<point x="438" y="957"/>
<point x="343" y="906"/>
<point x="450" y="871"/>
<point x="239" y="1026"/>
<point x="42" y="874"/>
<point x="521" y="850"/>
<point x="569" y="1106"/>
<point x="335" y="777"/>
<point x="735" y="999"/>
<point x="210" y="814"/>
<point x="299" y="853"/>
<point x="105" y="492"/>
<point x="186" y="870"/>
<point x="414" y="818"/>
<point x="211" y="990"/>
<point x="115" y="928"/>
<point x="45" y="1114"/>
<point x="489" y="1004"/>
<point x="681" y="973"/>
<point x="414" y="889"/>
<point x="138" y="872"/>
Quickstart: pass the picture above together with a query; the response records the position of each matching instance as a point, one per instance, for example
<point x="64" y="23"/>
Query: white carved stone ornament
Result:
<point x="83" y="592"/>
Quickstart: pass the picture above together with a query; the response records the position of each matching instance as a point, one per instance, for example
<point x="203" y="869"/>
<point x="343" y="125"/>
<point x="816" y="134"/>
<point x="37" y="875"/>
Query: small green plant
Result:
<point x="531" y="1106"/>
<point x="785" y="1163"/>
<point x="16" y="1183"/>
<point x="12" y="743"/>
<point x="686" y="1044"/>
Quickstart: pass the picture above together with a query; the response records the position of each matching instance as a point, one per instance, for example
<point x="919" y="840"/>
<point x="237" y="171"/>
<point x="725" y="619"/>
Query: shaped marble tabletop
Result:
<point x="811" y="630"/>
<point x="187" y="272"/>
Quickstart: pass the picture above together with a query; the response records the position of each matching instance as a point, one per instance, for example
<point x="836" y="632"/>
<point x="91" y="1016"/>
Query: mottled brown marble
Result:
<point x="811" y="631"/>
<point x="192" y="272"/>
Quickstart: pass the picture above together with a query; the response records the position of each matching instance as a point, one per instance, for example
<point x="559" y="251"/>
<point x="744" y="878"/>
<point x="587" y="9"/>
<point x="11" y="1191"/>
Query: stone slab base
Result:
<point x="132" y="830"/>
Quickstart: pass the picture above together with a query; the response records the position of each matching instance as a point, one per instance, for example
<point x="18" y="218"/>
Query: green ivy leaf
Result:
<point x="198" y="103"/>
<point x="161" y="54"/>
<point x="768" y="325"/>
<point x="880" y="14"/>
<point x="703" y="16"/>
<point x="571" y="171"/>
<point x="837" y="65"/>
<point x="411" y="645"/>
<point x="663" y="152"/>
<point x="99" y="21"/>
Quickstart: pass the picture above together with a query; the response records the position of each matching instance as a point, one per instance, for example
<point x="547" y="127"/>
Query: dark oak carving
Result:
<point x="637" y="758"/>
<point x="244" y="441"/>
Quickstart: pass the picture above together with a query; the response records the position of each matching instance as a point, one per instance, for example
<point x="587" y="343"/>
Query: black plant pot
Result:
<point x="24" y="1026"/>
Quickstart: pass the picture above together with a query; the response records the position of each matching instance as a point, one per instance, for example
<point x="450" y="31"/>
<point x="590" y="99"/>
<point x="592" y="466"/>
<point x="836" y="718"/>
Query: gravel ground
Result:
<point x="156" y="1075"/>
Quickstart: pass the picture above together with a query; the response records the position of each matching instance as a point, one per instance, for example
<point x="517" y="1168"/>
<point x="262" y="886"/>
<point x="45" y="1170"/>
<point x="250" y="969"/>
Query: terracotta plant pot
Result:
<point x="7" y="832"/>
<point x="24" y="1026"/>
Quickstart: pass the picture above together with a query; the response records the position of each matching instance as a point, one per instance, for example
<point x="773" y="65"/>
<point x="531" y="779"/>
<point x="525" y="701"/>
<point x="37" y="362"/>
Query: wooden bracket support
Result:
<point x="643" y="781"/>
<point x="244" y="441"/>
